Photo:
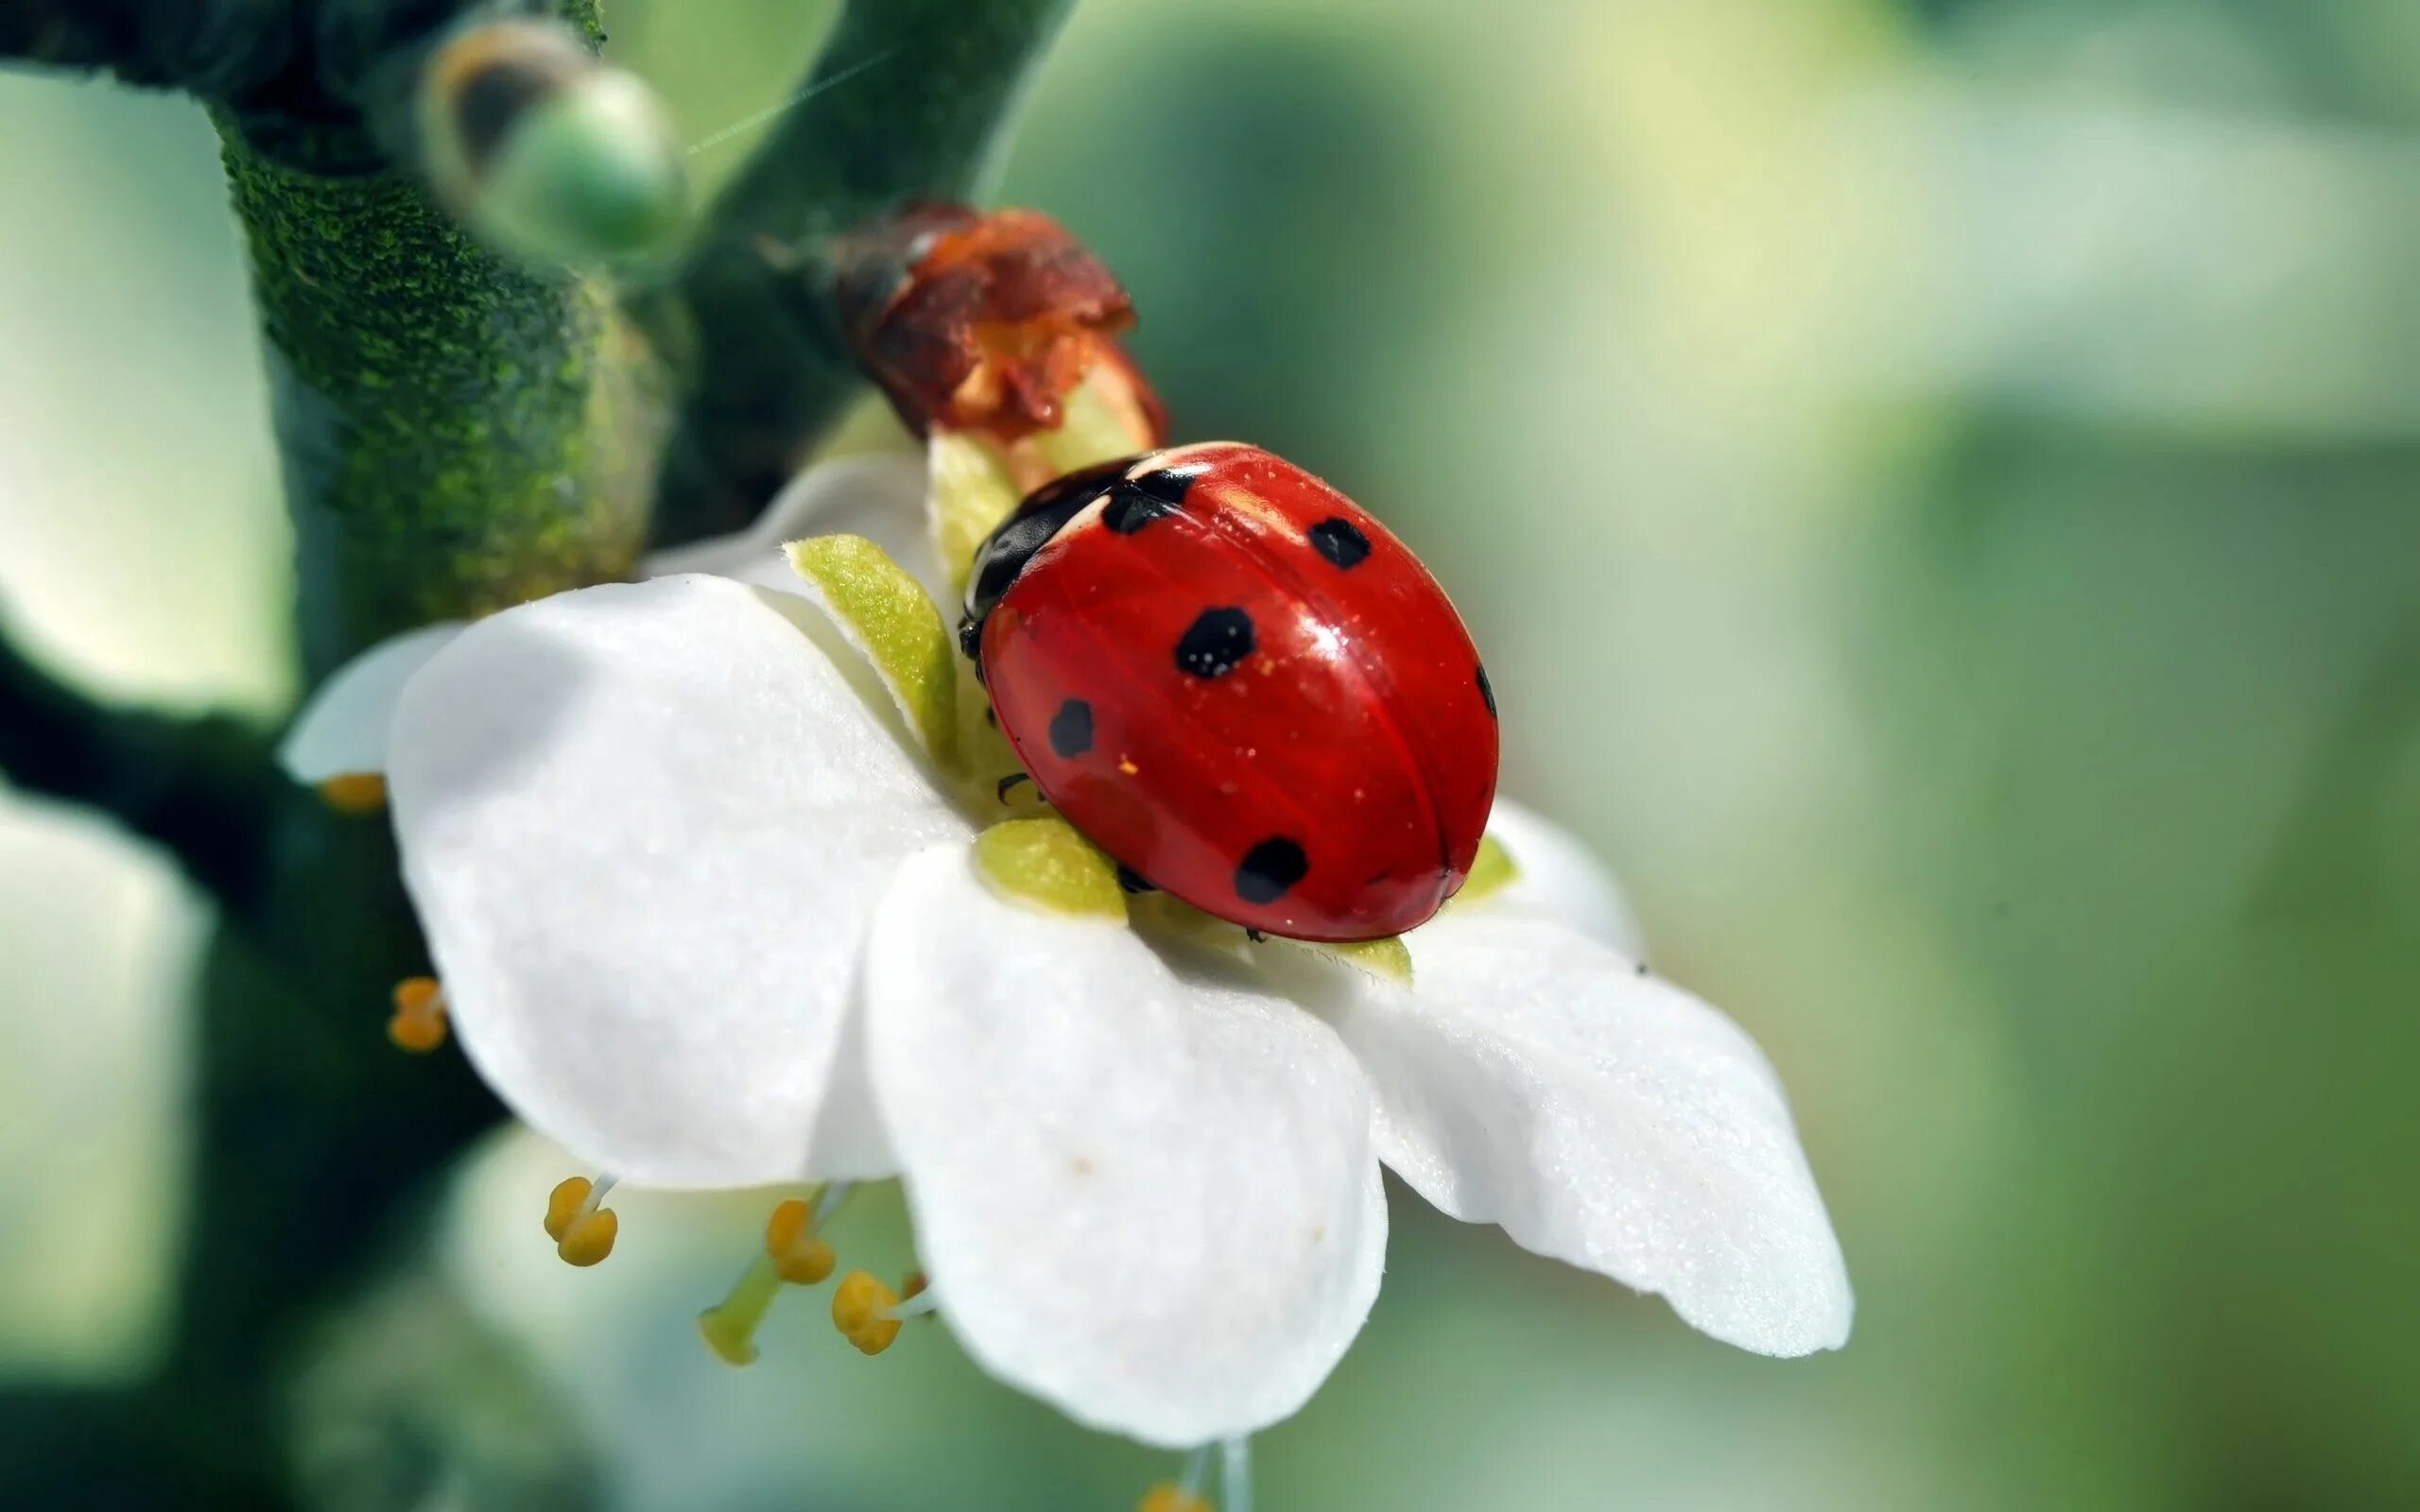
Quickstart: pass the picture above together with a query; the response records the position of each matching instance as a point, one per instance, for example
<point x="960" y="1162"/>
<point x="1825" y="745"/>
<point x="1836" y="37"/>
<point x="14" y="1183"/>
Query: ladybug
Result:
<point x="1240" y="686"/>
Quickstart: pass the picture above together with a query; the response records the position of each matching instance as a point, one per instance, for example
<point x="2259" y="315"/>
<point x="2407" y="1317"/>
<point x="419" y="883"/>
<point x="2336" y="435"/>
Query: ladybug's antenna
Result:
<point x="791" y="103"/>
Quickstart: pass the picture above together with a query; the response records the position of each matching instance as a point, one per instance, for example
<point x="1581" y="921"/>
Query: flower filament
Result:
<point x="1186" y="1493"/>
<point x="795" y="1254"/>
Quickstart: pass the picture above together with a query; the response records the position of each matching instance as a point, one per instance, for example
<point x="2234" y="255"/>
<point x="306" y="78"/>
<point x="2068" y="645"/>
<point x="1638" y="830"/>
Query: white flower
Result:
<point x="343" y="730"/>
<point x="706" y="914"/>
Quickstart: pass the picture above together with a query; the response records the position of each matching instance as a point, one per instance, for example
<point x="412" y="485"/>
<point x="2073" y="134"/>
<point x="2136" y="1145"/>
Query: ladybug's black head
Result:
<point x="1045" y="512"/>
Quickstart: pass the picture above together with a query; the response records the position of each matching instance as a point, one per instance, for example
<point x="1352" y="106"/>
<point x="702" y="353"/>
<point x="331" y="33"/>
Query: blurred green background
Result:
<point x="1940" y="488"/>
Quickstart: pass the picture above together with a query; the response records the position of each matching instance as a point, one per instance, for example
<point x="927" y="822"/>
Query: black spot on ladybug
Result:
<point x="1487" y="691"/>
<point x="1216" y="643"/>
<point x="1130" y="509"/>
<point x="1169" y="485"/>
<point x="1008" y="784"/>
<point x="1340" y="541"/>
<point x="1133" y="881"/>
<point x="1270" y="870"/>
<point x="1071" y="729"/>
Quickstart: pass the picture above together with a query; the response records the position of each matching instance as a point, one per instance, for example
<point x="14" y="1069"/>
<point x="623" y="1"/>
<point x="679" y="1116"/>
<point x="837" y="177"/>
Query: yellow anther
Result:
<point x="418" y="1022"/>
<point x="861" y="1311"/>
<point x="354" y="793"/>
<point x="582" y="1231"/>
<point x="798" y="1254"/>
<point x="1169" y="1497"/>
<point x="564" y="1203"/>
<point x="591" y="1238"/>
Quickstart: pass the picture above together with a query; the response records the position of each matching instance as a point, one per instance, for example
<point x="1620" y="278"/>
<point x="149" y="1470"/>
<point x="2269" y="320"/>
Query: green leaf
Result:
<point x="1388" y="959"/>
<point x="1492" y="872"/>
<point x="1045" y="862"/>
<point x="971" y="487"/>
<point x="971" y="494"/>
<point x="886" y="614"/>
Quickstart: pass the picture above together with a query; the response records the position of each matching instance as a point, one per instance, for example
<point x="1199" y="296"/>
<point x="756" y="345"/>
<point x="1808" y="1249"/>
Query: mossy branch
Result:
<point x="199" y="788"/>
<point x="461" y="430"/>
<point x="906" y="102"/>
<point x="455" y="433"/>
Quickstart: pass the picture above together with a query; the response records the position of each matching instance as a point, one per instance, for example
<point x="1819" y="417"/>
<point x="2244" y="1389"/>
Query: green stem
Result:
<point x="216" y="48"/>
<point x="199" y="788"/>
<point x="918" y="116"/>
<point x="456" y="435"/>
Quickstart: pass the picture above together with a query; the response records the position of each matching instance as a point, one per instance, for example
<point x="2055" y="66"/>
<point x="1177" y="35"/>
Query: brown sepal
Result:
<point x="982" y="322"/>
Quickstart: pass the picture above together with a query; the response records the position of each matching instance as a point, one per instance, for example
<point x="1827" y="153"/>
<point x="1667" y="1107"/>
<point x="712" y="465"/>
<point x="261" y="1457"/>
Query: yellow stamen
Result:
<point x="1184" y="1493"/>
<point x="418" y="1022"/>
<point x="583" y="1232"/>
<point x="354" y="792"/>
<point x="792" y="1245"/>
<point x="794" y="1253"/>
<point x="861" y="1309"/>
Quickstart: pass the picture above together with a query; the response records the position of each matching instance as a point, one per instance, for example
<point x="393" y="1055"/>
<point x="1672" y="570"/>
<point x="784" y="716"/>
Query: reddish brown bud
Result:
<point x="983" y="322"/>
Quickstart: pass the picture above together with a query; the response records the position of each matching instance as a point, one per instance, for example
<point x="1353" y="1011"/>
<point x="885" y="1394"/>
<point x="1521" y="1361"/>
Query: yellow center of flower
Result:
<point x="1169" y="1497"/>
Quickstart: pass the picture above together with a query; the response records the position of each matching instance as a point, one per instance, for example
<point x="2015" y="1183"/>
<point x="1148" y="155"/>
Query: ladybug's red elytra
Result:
<point x="1237" y="684"/>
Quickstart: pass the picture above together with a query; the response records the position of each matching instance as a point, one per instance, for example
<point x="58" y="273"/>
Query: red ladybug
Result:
<point x="1241" y="687"/>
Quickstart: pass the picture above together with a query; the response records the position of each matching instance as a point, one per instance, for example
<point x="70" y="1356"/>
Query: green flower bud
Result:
<point x="592" y="175"/>
<point x="548" y="154"/>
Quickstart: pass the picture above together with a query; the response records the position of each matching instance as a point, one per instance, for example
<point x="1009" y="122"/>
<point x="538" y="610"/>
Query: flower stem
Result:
<point x="455" y="437"/>
<point x="919" y="94"/>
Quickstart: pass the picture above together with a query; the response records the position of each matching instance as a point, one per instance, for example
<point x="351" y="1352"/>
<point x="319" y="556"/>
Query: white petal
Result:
<point x="645" y="825"/>
<point x="1560" y="878"/>
<point x="344" y="729"/>
<point x="1143" y="1194"/>
<point x="879" y="497"/>
<point x="1532" y="1078"/>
